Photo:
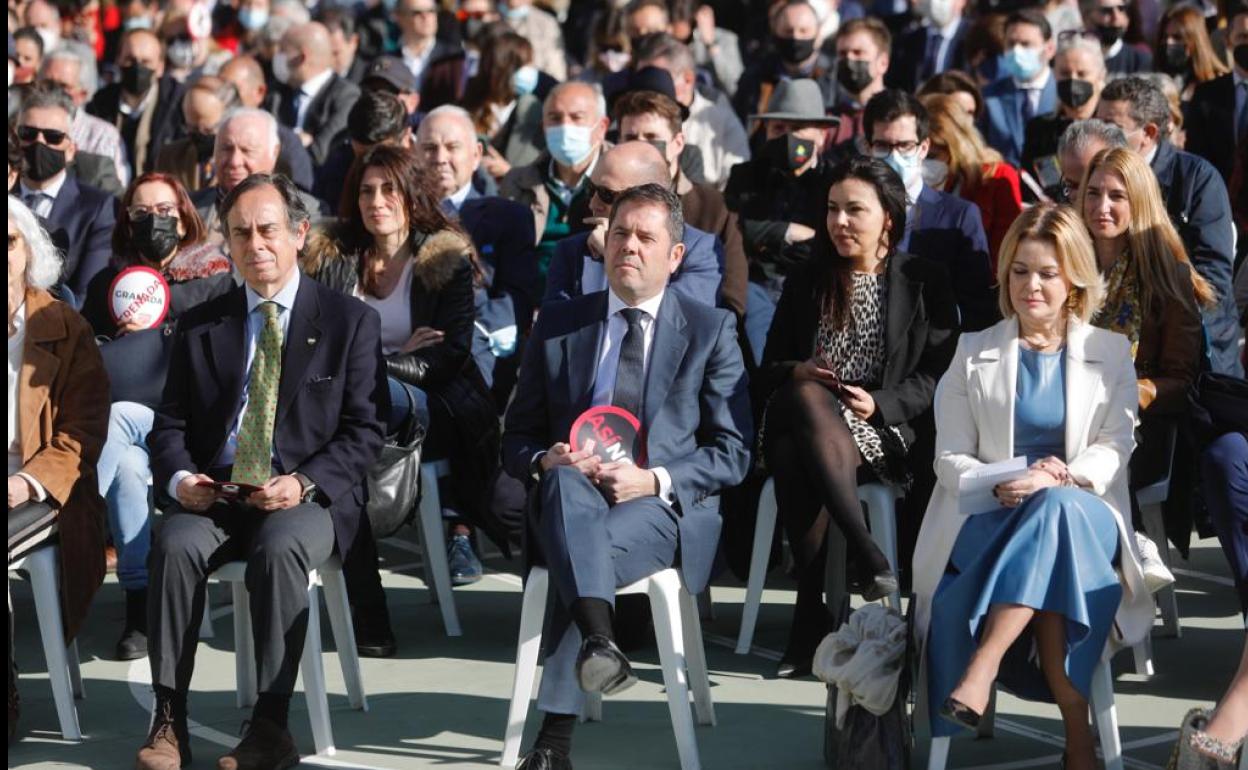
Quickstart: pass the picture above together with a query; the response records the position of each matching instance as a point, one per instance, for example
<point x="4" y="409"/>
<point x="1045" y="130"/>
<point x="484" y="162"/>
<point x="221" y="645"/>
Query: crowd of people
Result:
<point x="828" y="242"/>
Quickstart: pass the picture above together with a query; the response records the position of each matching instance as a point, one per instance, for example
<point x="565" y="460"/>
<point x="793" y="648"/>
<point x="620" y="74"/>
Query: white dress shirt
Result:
<point x="1034" y="89"/>
<point x="716" y="131"/>
<point x="17" y="345"/>
<point x="457" y="198"/>
<point x="44" y="207"/>
<point x="308" y="92"/>
<point x="285" y="299"/>
<point x="416" y="62"/>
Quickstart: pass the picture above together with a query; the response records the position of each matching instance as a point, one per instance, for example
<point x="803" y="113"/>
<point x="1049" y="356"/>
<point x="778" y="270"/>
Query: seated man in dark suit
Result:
<point x="942" y="227"/>
<point x="248" y="77"/>
<point x="578" y="266"/>
<point x="79" y="217"/>
<point x="278" y="384"/>
<point x="189" y="159"/>
<point x="600" y="525"/>
<point x="314" y="100"/>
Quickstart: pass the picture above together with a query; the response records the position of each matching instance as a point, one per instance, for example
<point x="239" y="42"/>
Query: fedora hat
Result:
<point x="797" y="101"/>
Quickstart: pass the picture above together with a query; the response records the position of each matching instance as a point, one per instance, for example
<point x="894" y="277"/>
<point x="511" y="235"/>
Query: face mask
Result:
<point x="204" y="145"/>
<point x="938" y="12"/>
<point x="42" y="162"/>
<point x="791" y="152"/>
<point x="138" y="22"/>
<point x="1074" y="92"/>
<point x="1240" y="54"/>
<point x="1023" y="63"/>
<point x="155" y="237"/>
<point x="503" y="341"/>
<point x="253" y="19"/>
<point x="854" y="75"/>
<point x="515" y="13"/>
<point x="792" y="50"/>
<point x="181" y="54"/>
<point x="1109" y="35"/>
<point x="524" y="80"/>
<point x="569" y="144"/>
<point x="281" y="67"/>
<point x="1175" y="58"/>
<point x="935" y="173"/>
<point x="614" y="61"/>
<point x="51" y="38"/>
<point x="910" y="169"/>
<point x="136" y="79"/>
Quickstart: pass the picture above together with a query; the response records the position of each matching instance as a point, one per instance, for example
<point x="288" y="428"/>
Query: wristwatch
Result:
<point x="308" y="493"/>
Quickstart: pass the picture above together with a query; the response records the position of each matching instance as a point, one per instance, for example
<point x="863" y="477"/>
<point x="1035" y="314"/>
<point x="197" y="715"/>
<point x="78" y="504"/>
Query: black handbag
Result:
<point x="394" y="480"/>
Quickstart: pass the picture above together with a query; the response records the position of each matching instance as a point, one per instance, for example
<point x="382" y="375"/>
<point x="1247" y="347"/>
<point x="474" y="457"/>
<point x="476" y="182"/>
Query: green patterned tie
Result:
<point x="253" y="456"/>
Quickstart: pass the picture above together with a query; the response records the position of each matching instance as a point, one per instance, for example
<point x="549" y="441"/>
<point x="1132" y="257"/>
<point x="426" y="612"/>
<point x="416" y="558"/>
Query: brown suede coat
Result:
<point x="63" y="405"/>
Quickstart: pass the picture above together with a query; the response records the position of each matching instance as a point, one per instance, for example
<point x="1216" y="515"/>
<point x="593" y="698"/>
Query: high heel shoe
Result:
<point x="882" y="584"/>
<point x="960" y="714"/>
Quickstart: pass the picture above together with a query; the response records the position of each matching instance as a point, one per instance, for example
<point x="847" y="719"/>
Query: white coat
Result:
<point x="974" y="411"/>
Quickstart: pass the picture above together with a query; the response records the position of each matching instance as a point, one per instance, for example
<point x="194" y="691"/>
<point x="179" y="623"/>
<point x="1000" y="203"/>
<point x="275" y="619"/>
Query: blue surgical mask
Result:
<point x="137" y="22"/>
<point x="524" y="80"/>
<point x="516" y="12"/>
<point x="1023" y="63"/>
<point x="910" y="169"/>
<point x="569" y="144"/>
<point x="253" y="19"/>
<point x="502" y="341"/>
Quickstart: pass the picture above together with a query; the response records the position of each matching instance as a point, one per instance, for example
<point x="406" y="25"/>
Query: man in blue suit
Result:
<point x="942" y="227"/>
<point x="1027" y="90"/>
<point x="79" y="217"/>
<point x="280" y="385"/>
<point x="578" y="267"/>
<point x="598" y="525"/>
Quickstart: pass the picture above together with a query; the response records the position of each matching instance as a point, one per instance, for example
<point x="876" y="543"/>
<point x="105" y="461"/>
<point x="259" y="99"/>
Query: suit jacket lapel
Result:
<point x="226" y="343"/>
<point x="302" y="335"/>
<point x="903" y="306"/>
<point x="580" y="353"/>
<point x="66" y="199"/>
<point x="668" y="348"/>
<point x="1083" y="376"/>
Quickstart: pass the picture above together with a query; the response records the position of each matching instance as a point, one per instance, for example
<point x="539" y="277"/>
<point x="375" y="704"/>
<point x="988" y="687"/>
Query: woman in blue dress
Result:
<point x="1027" y="592"/>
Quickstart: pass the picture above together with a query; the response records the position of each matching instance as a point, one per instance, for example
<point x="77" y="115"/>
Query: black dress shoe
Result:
<point x="960" y="714"/>
<point x="373" y="636"/>
<point x="601" y="667"/>
<point x="544" y="759"/>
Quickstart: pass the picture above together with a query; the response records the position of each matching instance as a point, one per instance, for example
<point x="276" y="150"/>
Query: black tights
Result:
<point x="815" y="462"/>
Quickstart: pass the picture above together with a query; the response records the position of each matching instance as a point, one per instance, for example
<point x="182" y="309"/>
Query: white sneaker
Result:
<point x="1156" y="574"/>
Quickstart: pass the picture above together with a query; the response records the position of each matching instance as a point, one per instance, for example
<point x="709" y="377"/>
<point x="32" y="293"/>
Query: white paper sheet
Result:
<point x="975" y="486"/>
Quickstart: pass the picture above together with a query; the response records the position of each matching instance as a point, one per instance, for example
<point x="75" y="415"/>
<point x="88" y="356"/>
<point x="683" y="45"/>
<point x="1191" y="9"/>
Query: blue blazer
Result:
<point x="81" y="223"/>
<point x="696" y="415"/>
<point x="1002" y="124"/>
<point x="698" y="277"/>
<point x="330" y="403"/>
<point x="947" y="229"/>
<point x="502" y="231"/>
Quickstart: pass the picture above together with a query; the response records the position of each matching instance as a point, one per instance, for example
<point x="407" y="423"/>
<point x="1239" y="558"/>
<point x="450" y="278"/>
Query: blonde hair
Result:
<point x="1062" y="228"/>
<point x="970" y="157"/>
<point x="1151" y="238"/>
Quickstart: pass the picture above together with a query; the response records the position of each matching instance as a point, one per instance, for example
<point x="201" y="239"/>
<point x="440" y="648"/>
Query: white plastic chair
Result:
<point x="679" y="634"/>
<point x="43" y="566"/>
<point x="880" y="500"/>
<point x="433" y="544"/>
<point x="1151" y="499"/>
<point x="328" y="576"/>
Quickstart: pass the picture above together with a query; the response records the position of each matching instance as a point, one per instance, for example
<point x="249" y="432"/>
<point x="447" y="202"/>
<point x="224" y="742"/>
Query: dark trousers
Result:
<point x="591" y="548"/>
<point x="280" y="549"/>
<point x="1224" y="472"/>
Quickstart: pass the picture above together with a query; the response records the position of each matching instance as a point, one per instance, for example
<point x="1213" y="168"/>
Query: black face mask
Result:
<point x="155" y="236"/>
<point x="790" y="152"/>
<point x="854" y="74"/>
<point x="792" y="50"/>
<point x="1074" y="93"/>
<point x="42" y="162"/>
<point x="1109" y="35"/>
<point x="136" y="79"/>
<point x="203" y="144"/>
<point x="1240" y="54"/>
<point x="1175" y="58"/>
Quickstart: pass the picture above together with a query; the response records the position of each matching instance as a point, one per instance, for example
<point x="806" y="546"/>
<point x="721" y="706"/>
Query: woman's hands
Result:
<point x="1012" y="493"/>
<point x="858" y="400"/>
<point x="495" y="164"/>
<point x="422" y="337"/>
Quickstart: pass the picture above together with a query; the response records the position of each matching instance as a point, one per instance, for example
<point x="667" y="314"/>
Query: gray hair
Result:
<point x="1148" y="103"/>
<point x="1083" y="134"/>
<point x="659" y="195"/>
<point x="88" y="75"/>
<point x="600" y="102"/>
<point x="45" y="95"/>
<point x="297" y="211"/>
<point x="284" y="15"/>
<point x="664" y="46"/>
<point x="1090" y="47"/>
<point x="43" y="268"/>
<point x="452" y="110"/>
<point x="270" y="124"/>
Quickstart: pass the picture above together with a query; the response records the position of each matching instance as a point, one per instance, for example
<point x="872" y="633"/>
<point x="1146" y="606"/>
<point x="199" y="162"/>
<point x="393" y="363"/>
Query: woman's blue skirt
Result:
<point x="1055" y="553"/>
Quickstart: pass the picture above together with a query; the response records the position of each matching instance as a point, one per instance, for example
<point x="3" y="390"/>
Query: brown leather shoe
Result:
<point x="168" y="745"/>
<point x="265" y="746"/>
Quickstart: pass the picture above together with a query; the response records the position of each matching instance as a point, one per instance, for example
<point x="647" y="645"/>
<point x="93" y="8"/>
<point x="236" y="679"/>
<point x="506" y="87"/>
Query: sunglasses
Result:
<point x="605" y="194"/>
<point x="30" y="134"/>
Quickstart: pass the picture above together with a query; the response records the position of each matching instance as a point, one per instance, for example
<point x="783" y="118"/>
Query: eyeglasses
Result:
<point x="881" y="149"/>
<point x="605" y="194"/>
<point x="30" y="134"/>
<point x="139" y="213"/>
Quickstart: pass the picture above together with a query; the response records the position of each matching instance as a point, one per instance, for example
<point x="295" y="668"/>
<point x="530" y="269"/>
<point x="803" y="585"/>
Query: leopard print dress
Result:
<point x="857" y="353"/>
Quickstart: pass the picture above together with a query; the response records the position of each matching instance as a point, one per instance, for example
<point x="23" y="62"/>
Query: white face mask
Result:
<point x="51" y="38"/>
<point x="281" y="67"/>
<point x="910" y="169"/>
<point x="935" y="173"/>
<point x="940" y="12"/>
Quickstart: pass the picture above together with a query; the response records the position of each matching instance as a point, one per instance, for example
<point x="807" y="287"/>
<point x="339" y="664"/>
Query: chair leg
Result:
<point x="205" y="623"/>
<point x="882" y="516"/>
<point x="244" y="648"/>
<point x="75" y="671"/>
<point x="764" y="530"/>
<point x="695" y="657"/>
<point x="43" y="569"/>
<point x="528" y="646"/>
<point x="1106" y="716"/>
<point x="1167" y="600"/>
<point x="668" y="629"/>
<point x="437" y="570"/>
<point x="593" y="707"/>
<point x="336" y="603"/>
<point x="1143" y="654"/>
<point x="938" y="755"/>
<point x="314" y="677"/>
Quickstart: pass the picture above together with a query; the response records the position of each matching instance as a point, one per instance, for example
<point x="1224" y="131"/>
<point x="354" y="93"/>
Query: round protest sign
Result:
<point x="139" y="295"/>
<point x="612" y="433"/>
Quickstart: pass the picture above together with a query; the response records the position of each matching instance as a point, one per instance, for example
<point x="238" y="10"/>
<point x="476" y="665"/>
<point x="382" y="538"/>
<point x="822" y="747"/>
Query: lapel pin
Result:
<point x="311" y="340"/>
